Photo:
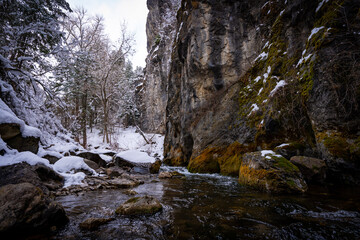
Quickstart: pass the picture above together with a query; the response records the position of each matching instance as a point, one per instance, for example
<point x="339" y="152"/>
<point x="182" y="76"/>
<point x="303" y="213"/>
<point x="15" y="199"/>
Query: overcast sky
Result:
<point x="134" y="12"/>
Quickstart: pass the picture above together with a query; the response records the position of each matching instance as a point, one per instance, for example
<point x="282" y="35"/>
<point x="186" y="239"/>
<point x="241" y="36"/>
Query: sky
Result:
<point x="134" y="12"/>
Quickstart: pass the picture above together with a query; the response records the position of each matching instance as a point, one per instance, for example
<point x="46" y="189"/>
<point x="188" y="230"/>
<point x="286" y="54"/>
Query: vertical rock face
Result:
<point x="160" y="31"/>
<point x="263" y="73"/>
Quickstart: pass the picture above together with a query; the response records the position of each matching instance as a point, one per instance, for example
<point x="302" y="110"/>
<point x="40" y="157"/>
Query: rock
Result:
<point x="131" y="192"/>
<point x="270" y="172"/>
<point x="136" y="167"/>
<point x="91" y="164"/>
<point x="114" y="171"/>
<point x="207" y="162"/>
<point x="94" y="223"/>
<point x="39" y="175"/>
<point x="123" y="183"/>
<point x="52" y="159"/>
<point x="313" y="169"/>
<point x="93" y="157"/>
<point x="146" y="205"/>
<point x="23" y="144"/>
<point x="164" y="175"/>
<point x="155" y="167"/>
<point x="9" y="130"/>
<point x="152" y="92"/>
<point x="24" y="209"/>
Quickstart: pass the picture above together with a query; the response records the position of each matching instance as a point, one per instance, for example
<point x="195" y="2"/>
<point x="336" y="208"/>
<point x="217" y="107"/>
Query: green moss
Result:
<point x="133" y="200"/>
<point x="157" y="40"/>
<point x="206" y="162"/>
<point x="286" y="165"/>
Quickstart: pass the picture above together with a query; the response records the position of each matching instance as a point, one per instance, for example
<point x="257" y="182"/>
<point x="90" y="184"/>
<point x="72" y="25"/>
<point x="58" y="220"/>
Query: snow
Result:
<point x="303" y="59"/>
<point x="69" y="164"/>
<point x="29" y="131"/>
<point x="257" y="79"/>
<point x="42" y="152"/>
<point x="27" y="157"/>
<point x="265" y="153"/>
<point x="280" y="84"/>
<point x="136" y="156"/>
<point x="283" y="145"/>
<point x="314" y="31"/>
<point x="254" y="108"/>
<point x="64" y="147"/>
<point x="262" y="56"/>
<point x="320" y="5"/>
<point x="106" y="158"/>
<point x="266" y="75"/>
<point x="73" y="179"/>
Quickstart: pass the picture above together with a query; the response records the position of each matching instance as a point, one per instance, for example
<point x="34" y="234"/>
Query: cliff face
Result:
<point x="253" y="75"/>
<point x="160" y="31"/>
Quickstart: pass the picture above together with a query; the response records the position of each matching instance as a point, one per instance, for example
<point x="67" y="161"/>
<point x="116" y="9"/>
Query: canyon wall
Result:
<point x="160" y="31"/>
<point x="249" y="75"/>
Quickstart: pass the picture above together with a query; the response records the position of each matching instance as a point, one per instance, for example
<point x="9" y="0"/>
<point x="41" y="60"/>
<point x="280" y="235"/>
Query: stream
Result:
<point x="210" y="206"/>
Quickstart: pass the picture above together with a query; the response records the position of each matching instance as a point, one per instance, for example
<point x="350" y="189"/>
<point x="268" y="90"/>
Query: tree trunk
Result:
<point x="83" y="119"/>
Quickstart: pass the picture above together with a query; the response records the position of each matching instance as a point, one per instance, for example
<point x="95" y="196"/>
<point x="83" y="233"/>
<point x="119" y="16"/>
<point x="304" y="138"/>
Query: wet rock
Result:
<point x="123" y="183"/>
<point x="141" y="168"/>
<point x="207" y="162"/>
<point x="146" y="205"/>
<point x="268" y="171"/>
<point x="24" y="209"/>
<point x="94" y="223"/>
<point x="95" y="157"/>
<point x="164" y="175"/>
<point x="155" y="167"/>
<point x="39" y="175"/>
<point x="9" y="130"/>
<point x="130" y="192"/>
<point x="114" y="171"/>
<point x="313" y="169"/>
<point x="92" y="164"/>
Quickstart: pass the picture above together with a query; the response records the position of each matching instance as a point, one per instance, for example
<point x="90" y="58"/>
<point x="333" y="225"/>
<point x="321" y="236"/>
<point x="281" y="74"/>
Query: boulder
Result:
<point x="146" y="205"/>
<point x="271" y="172"/>
<point x="52" y="159"/>
<point x="164" y="175"/>
<point x="91" y="164"/>
<point x="9" y="130"/>
<point x="95" y="157"/>
<point x="94" y="223"/>
<point x="155" y="167"/>
<point x="114" y="171"/>
<point x="136" y="167"/>
<point x="39" y="175"/>
<point x="313" y="169"/>
<point x="24" y="209"/>
<point x="23" y="144"/>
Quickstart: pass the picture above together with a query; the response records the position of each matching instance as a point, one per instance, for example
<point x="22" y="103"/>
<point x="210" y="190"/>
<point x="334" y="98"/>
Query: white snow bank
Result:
<point x="73" y="179"/>
<point x="28" y="157"/>
<point x="106" y="158"/>
<point x="69" y="164"/>
<point x="136" y="156"/>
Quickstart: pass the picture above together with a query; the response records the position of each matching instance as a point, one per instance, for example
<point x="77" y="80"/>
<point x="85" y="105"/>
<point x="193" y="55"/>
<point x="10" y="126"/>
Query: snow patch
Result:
<point x="280" y="84"/>
<point x="320" y="5"/>
<point x="136" y="156"/>
<point x="314" y="31"/>
<point x="27" y="157"/>
<point x="254" y="108"/>
<point x="73" y="179"/>
<point x="69" y="164"/>
<point x="283" y="145"/>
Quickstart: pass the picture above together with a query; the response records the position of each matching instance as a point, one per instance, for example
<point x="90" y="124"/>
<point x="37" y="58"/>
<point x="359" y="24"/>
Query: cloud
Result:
<point x="134" y="12"/>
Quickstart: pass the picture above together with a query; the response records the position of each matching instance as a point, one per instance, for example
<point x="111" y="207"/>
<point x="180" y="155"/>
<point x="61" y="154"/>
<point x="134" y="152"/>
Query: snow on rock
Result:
<point x="28" y="157"/>
<point x="106" y="158"/>
<point x="42" y="152"/>
<point x="265" y="153"/>
<point x="8" y="116"/>
<point x="314" y="31"/>
<point x="65" y="147"/>
<point x="73" y="179"/>
<point x="69" y="164"/>
<point x="254" y="108"/>
<point x="136" y="156"/>
<point x="280" y="84"/>
<point x="283" y="145"/>
<point x="320" y="5"/>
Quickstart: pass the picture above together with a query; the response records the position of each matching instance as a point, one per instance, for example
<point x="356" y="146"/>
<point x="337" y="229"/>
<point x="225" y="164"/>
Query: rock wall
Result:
<point x="160" y="31"/>
<point x="253" y="75"/>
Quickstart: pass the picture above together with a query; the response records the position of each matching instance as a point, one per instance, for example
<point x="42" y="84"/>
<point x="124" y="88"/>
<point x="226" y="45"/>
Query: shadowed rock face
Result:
<point x="263" y="73"/>
<point x="25" y="209"/>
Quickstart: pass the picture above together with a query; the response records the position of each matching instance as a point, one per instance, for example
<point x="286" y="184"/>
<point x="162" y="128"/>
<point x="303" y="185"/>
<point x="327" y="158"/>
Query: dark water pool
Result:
<point x="215" y="207"/>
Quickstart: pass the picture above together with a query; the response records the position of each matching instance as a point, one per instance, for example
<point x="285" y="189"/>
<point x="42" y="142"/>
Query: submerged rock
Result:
<point x="94" y="223"/>
<point x="146" y="205"/>
<point x="268" y="171"/>
<point x="313" y="169"/>
<point x="24" y="209"/>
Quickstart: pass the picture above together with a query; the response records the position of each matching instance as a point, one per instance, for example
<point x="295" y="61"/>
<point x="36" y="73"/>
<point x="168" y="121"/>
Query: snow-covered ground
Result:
<point x="128" y="143"/>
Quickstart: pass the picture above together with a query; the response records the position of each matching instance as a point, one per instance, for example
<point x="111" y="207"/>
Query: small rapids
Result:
<point x="210" y="206"/>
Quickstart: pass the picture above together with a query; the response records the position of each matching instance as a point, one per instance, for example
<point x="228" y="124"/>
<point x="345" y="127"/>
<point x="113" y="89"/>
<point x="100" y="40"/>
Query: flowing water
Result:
<point x="204" y="206"/>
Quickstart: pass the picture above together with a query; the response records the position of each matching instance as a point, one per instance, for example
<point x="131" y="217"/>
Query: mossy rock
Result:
<point x="313" y="169"/>
<point x="206" y="162"/>
<point x="155" y="167"/>
<point x="146" y="205"/>
<point x="270" y="172"/>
